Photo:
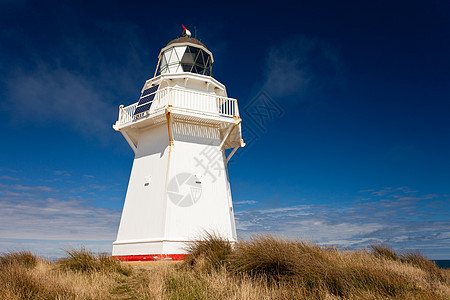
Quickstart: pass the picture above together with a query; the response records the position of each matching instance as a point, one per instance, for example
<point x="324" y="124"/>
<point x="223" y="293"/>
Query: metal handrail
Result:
<point x="194" y="101"/>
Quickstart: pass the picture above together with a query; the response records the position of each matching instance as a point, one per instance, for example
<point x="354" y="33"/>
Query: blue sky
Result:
<point x="345" y="111"/>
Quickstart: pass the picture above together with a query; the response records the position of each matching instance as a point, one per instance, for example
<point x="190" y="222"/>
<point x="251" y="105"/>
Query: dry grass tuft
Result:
<point x="419" y="260"/>
<point x="208" y="253"/>
<point x="263" y="267"/>
<point x="84" y="260"/>
<point x="318" y="271"/>
<point x="22" y="257"/>
<point x="383" y="250"/>
<point x="20" y="282"/>
<point x="273" y="258"/>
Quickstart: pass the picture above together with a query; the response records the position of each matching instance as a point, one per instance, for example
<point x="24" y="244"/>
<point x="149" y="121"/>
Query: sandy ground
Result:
<point x="151" y="263"/>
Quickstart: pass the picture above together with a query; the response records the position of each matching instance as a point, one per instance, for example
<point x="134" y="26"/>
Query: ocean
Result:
<point x="443" y="263"/>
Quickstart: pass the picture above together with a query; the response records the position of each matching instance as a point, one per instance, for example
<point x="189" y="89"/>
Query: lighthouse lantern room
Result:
<point x="179" y="131"/>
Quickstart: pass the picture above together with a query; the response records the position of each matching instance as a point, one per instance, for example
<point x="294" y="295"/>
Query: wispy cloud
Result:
<point x="245" y="202"/>
<point x="56" y="219"/>
<point x="59" y="95"/>
<point x="397" y="216"/>
<point x="19" y="187"/>
<point x="62" y="217"/>
<point x="8" y="178"/>
<point x="52" y="249"/>
<point x="62" y="173"/>
<point x="83" y="85"/>
<point x="301" y="65"/>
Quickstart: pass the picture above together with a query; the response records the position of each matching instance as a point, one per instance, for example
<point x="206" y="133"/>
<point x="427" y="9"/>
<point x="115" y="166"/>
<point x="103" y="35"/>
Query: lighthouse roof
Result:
<point x="186" y="39"/>
<point x="185" y="54"/>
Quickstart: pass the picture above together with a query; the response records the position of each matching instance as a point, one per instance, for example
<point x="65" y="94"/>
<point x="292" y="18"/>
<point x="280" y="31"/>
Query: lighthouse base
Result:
<point x="149" y="250"/>
<point x="151" y="257"/>
<point x="177" y="192"/>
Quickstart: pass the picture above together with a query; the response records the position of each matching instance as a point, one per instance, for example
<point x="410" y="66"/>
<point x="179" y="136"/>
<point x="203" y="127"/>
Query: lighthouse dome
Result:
<point x="185" y="54"/>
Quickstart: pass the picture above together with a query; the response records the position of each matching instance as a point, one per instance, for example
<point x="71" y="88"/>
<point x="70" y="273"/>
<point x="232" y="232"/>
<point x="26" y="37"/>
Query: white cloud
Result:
<point x="299" y="65"/>
<point x="244" y="202"/>
<point x="80" y="83"/>
<point x="392" y="215"/>
<point x="45" y="219"/>
<point x="59" y="95"/>
<point x="55" y="219"/>
<point x="19" y="187"/>
<point x="53" y="249"/>
<point x="8" y="178"/>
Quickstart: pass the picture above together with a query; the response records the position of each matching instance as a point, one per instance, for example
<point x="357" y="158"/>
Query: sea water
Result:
<point x="443" y="263"/>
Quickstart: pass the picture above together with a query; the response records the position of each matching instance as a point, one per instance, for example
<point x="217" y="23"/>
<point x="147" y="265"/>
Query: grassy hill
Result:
<point x="263" y="267"/>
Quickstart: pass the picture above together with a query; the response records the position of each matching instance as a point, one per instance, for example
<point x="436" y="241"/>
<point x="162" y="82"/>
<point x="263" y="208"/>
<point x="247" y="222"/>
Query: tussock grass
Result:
<point x="311" y="267"/>
<point x="317" y="271"/>
<point x="17" y="281"/>
<point x="273" y="258"/>
<point x="263" y="267"/>
<point x="23" y="258"/>
<point x="417" y="259"/>
<point x="383" y="250"/>
<point x="84" y="260"/>
<point x="210" y="252"/>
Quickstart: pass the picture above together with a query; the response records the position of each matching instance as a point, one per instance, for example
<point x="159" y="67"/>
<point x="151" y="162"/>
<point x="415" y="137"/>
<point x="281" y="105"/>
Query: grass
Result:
<point x="263" y="267"/>
<point x="19" y="279"/>
<point x="383" y="250"/>
<point x="208" y="253"/>
<point x="84" y="260"/>
<point x="23" y="258"/>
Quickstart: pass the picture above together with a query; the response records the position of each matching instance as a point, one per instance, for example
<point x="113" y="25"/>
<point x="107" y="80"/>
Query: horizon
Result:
<point x="344" y="106"/>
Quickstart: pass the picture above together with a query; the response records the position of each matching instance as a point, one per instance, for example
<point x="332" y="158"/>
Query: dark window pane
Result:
<point x="196" y="60"/>
<point x="186" y="67"/>
<point x="188" y="57"/>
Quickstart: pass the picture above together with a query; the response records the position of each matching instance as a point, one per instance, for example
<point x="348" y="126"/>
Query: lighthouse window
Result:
<point x="189" y="56"/>
<point x="196" y="60"/>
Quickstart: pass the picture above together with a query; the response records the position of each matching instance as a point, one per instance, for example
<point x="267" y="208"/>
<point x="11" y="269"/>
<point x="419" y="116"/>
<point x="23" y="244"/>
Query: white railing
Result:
<point x="126" y="113"/>
<point x="184" y="99"/>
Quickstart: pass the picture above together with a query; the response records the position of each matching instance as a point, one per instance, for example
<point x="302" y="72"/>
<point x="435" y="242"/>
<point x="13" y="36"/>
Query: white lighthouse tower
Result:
<point x="179" y="131"/>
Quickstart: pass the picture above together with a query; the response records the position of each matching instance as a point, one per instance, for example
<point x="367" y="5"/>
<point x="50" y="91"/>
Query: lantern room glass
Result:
<point x="193" y="59"/>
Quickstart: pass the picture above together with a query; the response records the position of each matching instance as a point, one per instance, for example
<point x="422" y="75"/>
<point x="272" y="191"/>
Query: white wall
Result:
<point x="187" y="192"/>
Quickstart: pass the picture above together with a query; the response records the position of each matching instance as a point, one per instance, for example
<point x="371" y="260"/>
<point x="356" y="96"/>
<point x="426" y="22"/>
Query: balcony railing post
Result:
<point x="120" y="113"/>
<point x="181" y="98"/>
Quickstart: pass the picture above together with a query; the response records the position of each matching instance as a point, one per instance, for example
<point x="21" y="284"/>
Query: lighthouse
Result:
<point x="183" y="130"/>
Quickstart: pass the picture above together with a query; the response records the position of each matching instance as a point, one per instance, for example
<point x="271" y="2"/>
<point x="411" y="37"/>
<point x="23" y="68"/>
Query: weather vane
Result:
<point x="186" y="32"/>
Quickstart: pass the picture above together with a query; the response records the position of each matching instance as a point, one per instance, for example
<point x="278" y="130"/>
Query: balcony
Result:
<point x="196" y="105"/>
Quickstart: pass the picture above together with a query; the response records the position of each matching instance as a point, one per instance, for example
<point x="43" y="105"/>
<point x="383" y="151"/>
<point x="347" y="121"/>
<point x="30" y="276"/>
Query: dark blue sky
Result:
<point x="357" y="152"/>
